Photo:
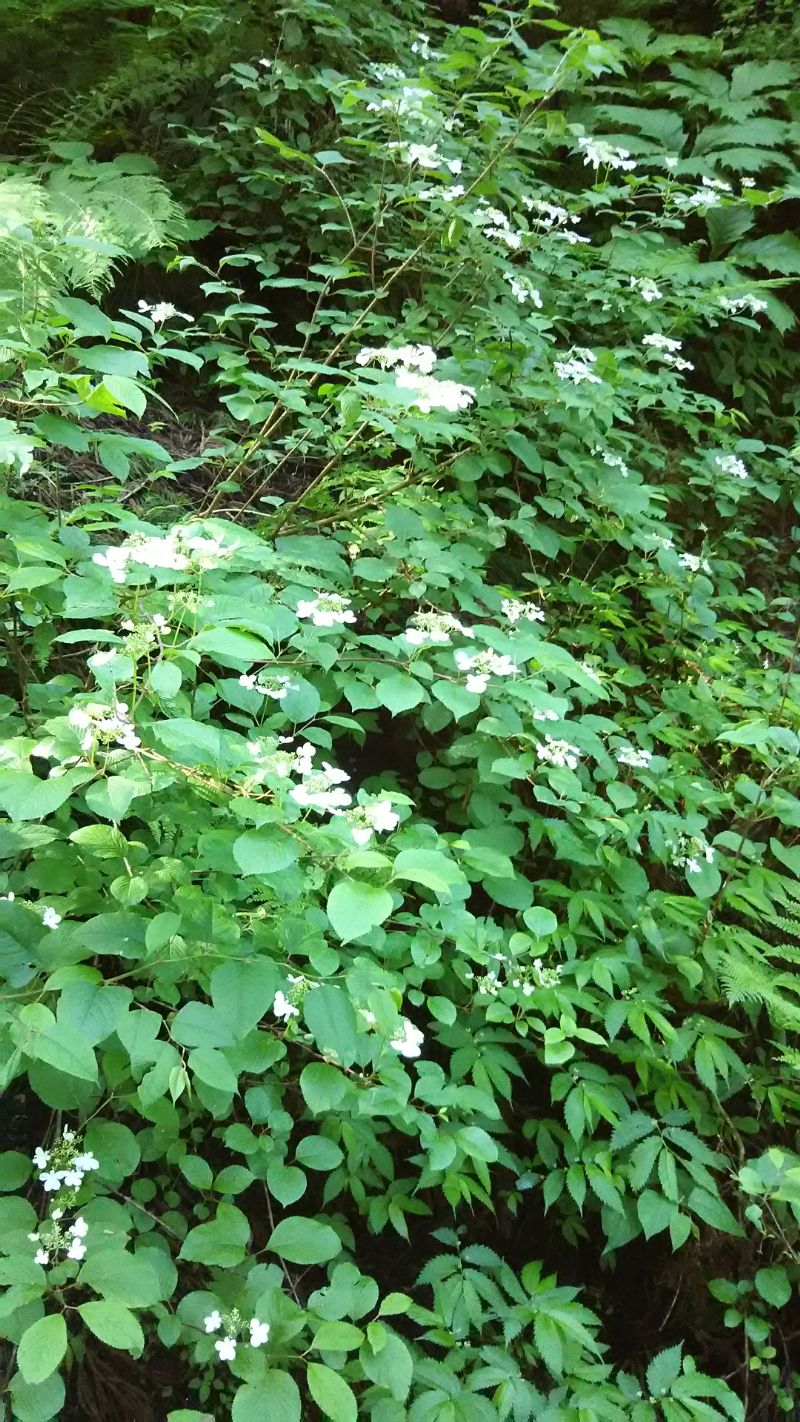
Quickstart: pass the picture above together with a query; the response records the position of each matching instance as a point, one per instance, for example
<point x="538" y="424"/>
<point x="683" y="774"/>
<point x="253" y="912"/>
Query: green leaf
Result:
<point x="222" y="1242"/>
<point x="24" y="797"/>
<point x="37" y="1402"/>
<point x="165" y="679"/>
<point x="286" y="1183"/>
<point x="331" y="1019"/>
<point x="428" y="867"/>
<point x="41" y="1347"/>
<point x="323" y="1087"/>
<point x="654" y="1212"/>
<point x="276" y="1395"/>
<point x="304" y="1241"/>
<point x="663" y="1370"/>
<point x="336" y="1335"/>
<point x="65" y="1048"/>
<point x="319" y="1153"/>
<point x="114" y="1325"/>
<point x="333" y="1396"/>
<point x="209" y="1065"/>
<point x="118" y="1274"/>
<point x="399" y="692"/>
<point x="774" y="1286"/>
<point x="456" y="698"/>
<point x="714" y="1212"/>
<point x="542" y="922"/>
<point x="392" y="1367"/>
<point x="126" y="392"/>
<point x="355" y="908"/>
<point x="242" y="994"/>
<point x="265" y="851"/>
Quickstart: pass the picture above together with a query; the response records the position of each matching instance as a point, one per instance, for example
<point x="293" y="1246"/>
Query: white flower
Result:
<point x="522" y="289"/>
<point x="162" y="311"/>
<point x="549" y="214"/>
<point x="51" y="919"/>
<point x="480" y="666"/>
<point x="445" y="194"/>
<point x="431" y="394"/>
<point x="213" y="1321"/>
<point x="599" y="154"/>
<point x="514" y="609"/>
<point x="548" y="715"/>
<point x="51" y="1179"/>
<point x="326" y="610"/>
<point x="693" y="563"/>
<point x="407" y="1042"/>
<point x="421" y="358"/>
<point x="41" y="1257"/>
<point x="577" y="367"/>
<point x="638" y="759"/>
<point x="7" y="898"/>
<point x="647" y="289"/>
<point x="735" y="305"/>
<point x="688" y="850"/>
<point x="283" y="1009"/>
<point x="226" y="1347"/>
<point x="275" y="687"/>
<point x="85" y="1162"/>
<point x="41" y="1158"/>
<point x="434" y="627"/>
<point x="556" y="752"/>
<point x="76" y="1250"/>
<point x="79" y="1229"/>
<point x="748" y="182"/>
<point x="73" y="1179"/>
<point x="259" y="1333"/>
<point x="660" y="342"/>
<point x="422" y="47"/>
<point x="591" y="672"/>
<point x="573" y="238"/>
<point x="101" y="659"/>
<point x="730" y="464"/>
<point x="366" y="820"/>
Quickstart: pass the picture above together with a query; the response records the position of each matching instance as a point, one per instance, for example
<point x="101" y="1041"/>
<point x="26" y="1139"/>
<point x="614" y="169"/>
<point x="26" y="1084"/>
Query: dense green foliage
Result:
<point x="399" y="852"/>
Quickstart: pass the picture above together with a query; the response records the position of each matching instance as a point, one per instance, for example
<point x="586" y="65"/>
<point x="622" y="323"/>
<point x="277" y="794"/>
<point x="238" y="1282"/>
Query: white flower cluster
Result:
<point x="667" y="348"/>
<point x="549" y="214"/>
<point x="480" y="666"/>
<point x="53" y="1239"/>
<point x="426" y="155"/>
<point x="377" y="817"/>
<point x="496" y="225"/>
<point x="525" y="980"/>
<point x="449" y="193"/>
<point x="688" y="850"/>
<point x="556" y="752"/>
<point x="523" y="290"/>
<point x="161" y="312"/>
<point x="422" y="47"/>
<point x="735" y="305"/>
<point x="414" y="365"/>
<point x="143" y="635"/>
<point x="693" y="563"/>
<point x="434" y="627"/>
<point x="613" y="461"/>
<point x="647" y="289"/>
<point x="276" y="687"/>
<point x="731" y="464"/>
<point x="326" y="610"/>
<point x="383" y="73"/>
<point x="407" y="1042"/>
<point x="234" y="1327"/>
<point x="285" y="1006"/>
<point x="180" y="551"/>
<point x="408" y="102"/>
<point x="321" y="789"/>
<point x="516" y="610"/>
<point x="97" y="722"/>
<point x="706" y="196"/>
<point x="578" y="367"/>
<point x="632" y="756"/>
<point x="599" y="154"/>
<point x="64" y="1166"/>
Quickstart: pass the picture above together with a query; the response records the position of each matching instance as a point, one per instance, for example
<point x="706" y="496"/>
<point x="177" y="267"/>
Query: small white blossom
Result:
<point x="647" y="289"/>
<point x="410" y="357"/>
<point x="259" y="1333"/>
<point x="422" y="47"/>
<point x="79" y="1229"/>
<point x="556" y="752"/>
<point x="660" y="342"/>
<point x="434" y="627"/>
<point x="480" y="666"/>
<point x="51" y="1179"/>
<point x="431" y="394"/>
<point x="41" y="1158"/>
<point x="514" y="609"/>
<point x="599" y="154"/>
<point x="688" y="850"/>
<point x="735" y="305"/>
<point x="577" y="367"/>
<point x="731" y="464"/>
<point x="213" y="1321"/>
<point x="522" y="289"/>
<point x="162" y="311"/>
<point x="41" y="1257"/>
<point x="226" y="1347"/>
<point x="591" y="672"/>
<point x="276" y="687"/>
<point x="693" y="564"/>
<point x="407" y="1042"/>
<point x="50" y="918"/>
<point x="366" y="820"/>
<point x="326" y="610"/>
<point x="86" y="1162"/>
<point x="549" y="715"/>
<point x="76" y="1250"/>
<point x="283" y="1008"/>
<point x="638" y="759"/>
<point x="449" y="193"/>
